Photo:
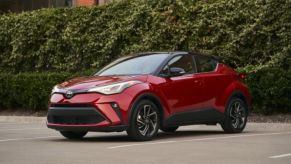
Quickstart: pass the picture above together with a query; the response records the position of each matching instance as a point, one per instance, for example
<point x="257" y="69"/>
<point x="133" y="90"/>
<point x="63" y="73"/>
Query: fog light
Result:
<point x="116" y="108"/>
<point x="115" y="105"/>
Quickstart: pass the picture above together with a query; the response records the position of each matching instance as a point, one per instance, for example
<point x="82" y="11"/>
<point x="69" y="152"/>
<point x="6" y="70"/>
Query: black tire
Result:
<point x="169" y="129"/>
<point x="144" y="122"/>
<point x="236" y="114"/>
<point x="73" y="135"/>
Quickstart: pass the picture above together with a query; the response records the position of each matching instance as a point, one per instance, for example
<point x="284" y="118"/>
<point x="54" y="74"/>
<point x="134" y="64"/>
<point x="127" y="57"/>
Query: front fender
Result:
<point x="144" y="90"/>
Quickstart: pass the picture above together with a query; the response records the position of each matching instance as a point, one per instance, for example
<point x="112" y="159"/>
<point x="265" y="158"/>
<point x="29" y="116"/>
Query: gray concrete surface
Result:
<point x="33" y="143"/>
<point x="23" y="119"/>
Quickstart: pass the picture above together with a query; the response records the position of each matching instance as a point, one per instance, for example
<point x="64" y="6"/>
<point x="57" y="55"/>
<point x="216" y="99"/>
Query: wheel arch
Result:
<point x="235" y="89"/>
<point x="153" y="98"/>
<point x="240" y="95"/>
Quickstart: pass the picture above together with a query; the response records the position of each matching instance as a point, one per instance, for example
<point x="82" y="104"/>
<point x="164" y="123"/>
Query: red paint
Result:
<point x="107" y="110"/>
<point x="196" y="91"/>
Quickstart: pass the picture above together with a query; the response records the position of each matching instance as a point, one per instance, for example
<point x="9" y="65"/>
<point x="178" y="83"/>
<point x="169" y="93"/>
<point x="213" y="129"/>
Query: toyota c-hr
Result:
<point x="143" y="93"/>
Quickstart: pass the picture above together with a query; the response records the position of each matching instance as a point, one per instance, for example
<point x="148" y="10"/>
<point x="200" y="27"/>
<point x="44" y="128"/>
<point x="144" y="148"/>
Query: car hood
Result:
<point x="81" y="83"/>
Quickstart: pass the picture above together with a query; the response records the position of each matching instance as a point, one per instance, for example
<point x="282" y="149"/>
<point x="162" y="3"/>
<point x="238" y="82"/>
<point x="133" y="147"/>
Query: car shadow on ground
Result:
<point x="122" y="137"/>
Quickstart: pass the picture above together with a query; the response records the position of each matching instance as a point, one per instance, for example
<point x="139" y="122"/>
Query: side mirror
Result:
<point x="176" y="71"/>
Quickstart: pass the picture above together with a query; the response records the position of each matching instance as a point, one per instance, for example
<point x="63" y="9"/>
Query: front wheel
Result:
<point x="235" y="116"/>
<point x="73" y="135"/>
<point x="144" y="122"/>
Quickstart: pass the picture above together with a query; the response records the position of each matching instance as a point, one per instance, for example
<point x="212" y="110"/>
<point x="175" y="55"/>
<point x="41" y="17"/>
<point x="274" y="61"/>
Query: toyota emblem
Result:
<point x="69" y="94"/>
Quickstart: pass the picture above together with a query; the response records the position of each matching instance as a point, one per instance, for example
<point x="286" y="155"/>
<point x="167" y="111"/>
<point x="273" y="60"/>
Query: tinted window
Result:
<point x="206" y="64"/>
<point x="134" y="66"/>
<point x="184" y="61"/>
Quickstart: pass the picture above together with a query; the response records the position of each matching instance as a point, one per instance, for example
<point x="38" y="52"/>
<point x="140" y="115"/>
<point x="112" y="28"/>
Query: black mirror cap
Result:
<point x="176" y="71"/>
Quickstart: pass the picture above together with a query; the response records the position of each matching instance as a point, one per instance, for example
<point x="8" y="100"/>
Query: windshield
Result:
<point x="134" y="66"/>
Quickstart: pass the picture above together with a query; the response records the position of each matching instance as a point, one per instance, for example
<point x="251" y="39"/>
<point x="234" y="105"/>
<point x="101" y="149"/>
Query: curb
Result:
<point x="42" y="120"/>
<point x="22" y="119"/>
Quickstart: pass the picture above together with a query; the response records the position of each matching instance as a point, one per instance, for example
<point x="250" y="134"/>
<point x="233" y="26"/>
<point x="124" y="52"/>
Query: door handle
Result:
<point x="199" y="82"/>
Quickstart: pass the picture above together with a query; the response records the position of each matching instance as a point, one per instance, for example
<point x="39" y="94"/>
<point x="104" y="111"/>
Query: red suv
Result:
<point x="146" y="92"/>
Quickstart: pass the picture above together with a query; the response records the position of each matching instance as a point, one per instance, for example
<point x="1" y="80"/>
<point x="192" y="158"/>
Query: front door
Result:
<point x="182" y="92"/>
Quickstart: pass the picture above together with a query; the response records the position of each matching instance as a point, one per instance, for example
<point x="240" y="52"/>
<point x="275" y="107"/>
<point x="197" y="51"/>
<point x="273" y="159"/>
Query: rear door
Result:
<point x="215" y="81"/>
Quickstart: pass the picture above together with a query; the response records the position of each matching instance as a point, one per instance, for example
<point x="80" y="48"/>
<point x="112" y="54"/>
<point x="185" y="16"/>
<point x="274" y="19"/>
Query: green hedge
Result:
<point x="271" y="90"/>
<point x="251" y="35"/>
<point x="31" y="90"/>
<point x="28" y="90"/>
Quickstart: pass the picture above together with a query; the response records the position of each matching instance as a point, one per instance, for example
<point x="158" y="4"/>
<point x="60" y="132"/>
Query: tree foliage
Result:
<point x="253" y="36"/>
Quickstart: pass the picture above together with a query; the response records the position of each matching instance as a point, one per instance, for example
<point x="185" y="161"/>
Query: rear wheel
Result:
<point x="144" y="123"/>
<point x="169" y="129"/>
<point x="235" y="116"/>
<point x="73" y="135"/>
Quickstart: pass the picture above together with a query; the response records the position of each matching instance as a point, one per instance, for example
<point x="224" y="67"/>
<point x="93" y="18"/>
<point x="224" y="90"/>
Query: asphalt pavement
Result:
<point x="34" y="143"/>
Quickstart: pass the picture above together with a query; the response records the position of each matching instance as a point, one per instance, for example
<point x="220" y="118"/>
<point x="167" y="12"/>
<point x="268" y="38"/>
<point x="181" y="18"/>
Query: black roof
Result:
<point x="175" y="53"/>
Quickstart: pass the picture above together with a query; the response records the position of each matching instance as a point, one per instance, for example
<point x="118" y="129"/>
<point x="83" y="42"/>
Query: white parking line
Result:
<point x="280" y="156"/>
<point x="23" y="139"/>
<point x="150" y="143"/>
<point x="23" y="129"/>
<point x="198" y="139"/>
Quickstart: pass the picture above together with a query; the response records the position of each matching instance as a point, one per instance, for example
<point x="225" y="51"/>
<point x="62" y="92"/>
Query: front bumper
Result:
<point x="87" y="112"/>
<point x="88" y="128"/>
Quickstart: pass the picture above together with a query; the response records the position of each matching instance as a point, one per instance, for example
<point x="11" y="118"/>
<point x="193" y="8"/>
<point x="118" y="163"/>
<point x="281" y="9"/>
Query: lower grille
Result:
<point x="74" y="115"/>
<point x="77" y="120"/>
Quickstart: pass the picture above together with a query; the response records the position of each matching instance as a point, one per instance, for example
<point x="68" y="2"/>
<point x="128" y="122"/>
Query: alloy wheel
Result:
<point x="147" y="120"/>
<point x="237" y="115"/>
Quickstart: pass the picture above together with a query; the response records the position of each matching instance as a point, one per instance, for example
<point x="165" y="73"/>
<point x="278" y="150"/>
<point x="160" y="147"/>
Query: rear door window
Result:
<point x="206" y="64"/>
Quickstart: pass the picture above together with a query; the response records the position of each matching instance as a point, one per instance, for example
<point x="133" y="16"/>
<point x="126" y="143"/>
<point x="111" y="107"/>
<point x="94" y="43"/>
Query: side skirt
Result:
<point x="205" y="116"/>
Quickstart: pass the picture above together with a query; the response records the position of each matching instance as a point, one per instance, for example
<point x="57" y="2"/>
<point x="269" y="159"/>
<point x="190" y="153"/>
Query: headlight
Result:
<point x="114" y="88"/>
<point x="56" y="89"/>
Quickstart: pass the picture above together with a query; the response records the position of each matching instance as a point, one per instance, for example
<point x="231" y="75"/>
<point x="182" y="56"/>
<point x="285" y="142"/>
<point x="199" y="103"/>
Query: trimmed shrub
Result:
<point x="271" y="90"/>
<point x="28" y="90"/>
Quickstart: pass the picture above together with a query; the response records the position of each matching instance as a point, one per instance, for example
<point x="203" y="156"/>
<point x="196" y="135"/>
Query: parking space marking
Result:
<point x="198" y="139"/>
<point x="149" y="143"/>
<point x="280" y="156"/>
<point x="23" y="139"/>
